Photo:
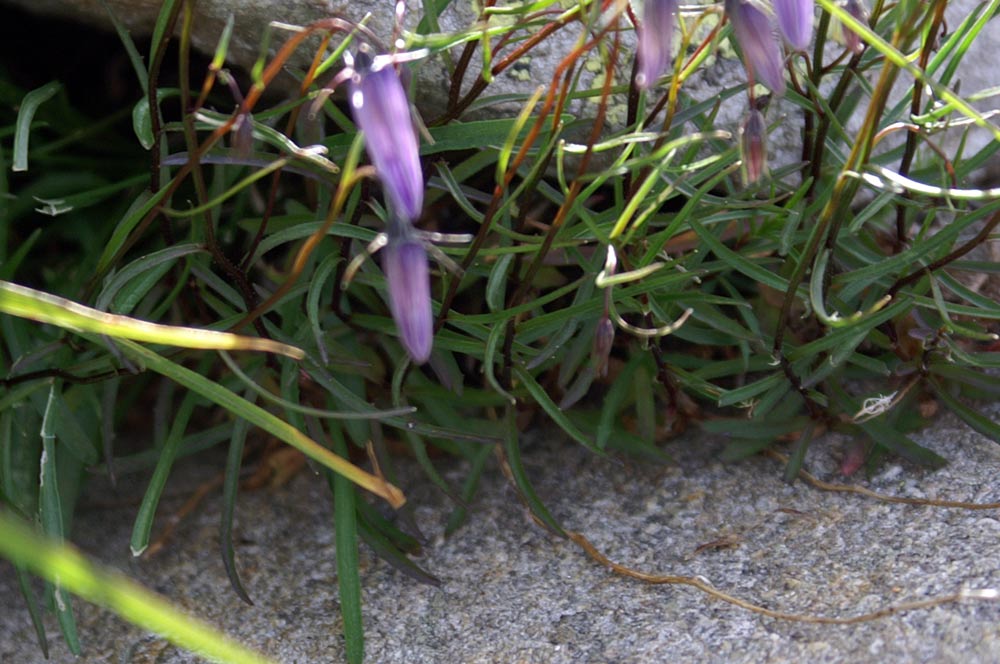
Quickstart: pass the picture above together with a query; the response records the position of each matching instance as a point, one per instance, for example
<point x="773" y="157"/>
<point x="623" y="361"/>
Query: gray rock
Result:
<point x="433" y="79"/>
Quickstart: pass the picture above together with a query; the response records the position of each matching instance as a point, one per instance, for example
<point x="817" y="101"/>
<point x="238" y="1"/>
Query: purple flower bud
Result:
<point x="795" y="18"/>
<point x="382" y="111"/>
<point x="656" y="34"/>
<point x="604" y="339"/>
<point x="753" y="147"/>
<point x="404" y="261"/>
<point x="845" y="35"/>
<point x="761" y="54"/>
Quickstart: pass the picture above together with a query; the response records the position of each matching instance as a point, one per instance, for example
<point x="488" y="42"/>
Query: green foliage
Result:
<point x="828" y="295"/>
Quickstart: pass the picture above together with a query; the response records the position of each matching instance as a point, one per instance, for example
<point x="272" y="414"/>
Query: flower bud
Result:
<point x="795" y="19"/>
<point x="604" y="339"/>
<point x="753" y="147"/>
<point x="404" y="261"/>
<point x="849" y="38"/>
<point x="761" y="54"/>
<point x="382" y="111"/>
<point x="656" y="34"/>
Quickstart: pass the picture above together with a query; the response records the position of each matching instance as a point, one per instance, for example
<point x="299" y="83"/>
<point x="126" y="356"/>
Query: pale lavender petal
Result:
<point x="795" y="18"/>
<point x="382" y="111"/>
<point x="405" y="265"/>
<point x="761" y="53"/>
<point x="656" y="33"/>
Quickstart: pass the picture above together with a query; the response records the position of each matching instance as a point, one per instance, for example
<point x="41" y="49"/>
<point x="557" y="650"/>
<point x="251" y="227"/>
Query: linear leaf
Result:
<point x="46" y="308"/>
<point x="268" y="422"/>
<point x="59" y="563"/>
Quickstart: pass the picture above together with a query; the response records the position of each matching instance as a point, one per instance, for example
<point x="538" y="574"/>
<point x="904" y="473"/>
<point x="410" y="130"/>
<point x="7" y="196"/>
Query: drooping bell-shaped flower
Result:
<point x="404" y="261"/>
<point x="843" y="34"/>
<point x="656" y="34"/>
<point x="795" y="19"/>
<point x="753" y="147"/>
<point x="761" y="53"/>
<point x="382" y="111"/>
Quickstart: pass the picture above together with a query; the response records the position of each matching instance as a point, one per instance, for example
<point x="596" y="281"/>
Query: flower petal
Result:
<point x="761" y="54"/>
<point x="382" y="111"/>
<point x="795" y="19"/>
<point x="406" y="273"/>
<point x="656" y="34"/>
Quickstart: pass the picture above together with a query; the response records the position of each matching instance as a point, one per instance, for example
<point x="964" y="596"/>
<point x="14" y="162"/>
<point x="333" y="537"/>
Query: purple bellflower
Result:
<point x="656" y="33"/>
<point x="382" y="111"/>
<point x="404" y="261"/>
<point x="795" y="19"/>
<point x="753" y="147"/>
<point x="761" y="53"/>
<point x="844" y="34"/>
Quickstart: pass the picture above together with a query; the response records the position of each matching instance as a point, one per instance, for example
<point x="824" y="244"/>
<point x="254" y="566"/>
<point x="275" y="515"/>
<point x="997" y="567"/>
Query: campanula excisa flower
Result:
<point x="404" y="261"/>
<point x="656" y="33"/>
<point x="382" y="111"/>
<point x="761" y="53"/>
<point x="795" y="19"/>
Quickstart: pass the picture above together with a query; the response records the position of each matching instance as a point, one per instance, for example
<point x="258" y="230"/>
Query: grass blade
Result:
<point x="45" y="308"/>
<point x="268" y="422"/>
<point x="50" y="511"/>
<point x="346" y="534"/>
<point x="62" y="564"/>
<point x="230" y="487"/>
<point x="25" y="115"/>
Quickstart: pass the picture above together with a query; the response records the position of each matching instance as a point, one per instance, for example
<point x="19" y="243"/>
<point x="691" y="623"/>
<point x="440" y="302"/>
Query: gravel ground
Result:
<point x="511" y="592"/>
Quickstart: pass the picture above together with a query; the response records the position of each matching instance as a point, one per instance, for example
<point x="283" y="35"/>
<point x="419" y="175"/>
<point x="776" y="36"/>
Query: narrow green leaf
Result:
<point x="346" y="535"/>
<point x="541" y="397"/>
<point x="143" y="525"/>
<point x="385" y="550"/>
<point x="799" y="453"/>
<point x="512" y="451"/>
<point x="51" y="514"/>
<point x="25" y="114"/>
<point x="613" y="400"/>
<point x="230" y="489"/>
<point x="28" y="593"/>
<point x="970" y="416"/>
<point x="469" y="488"/>
<point x="257" y="416"/>
<point x="142" y="122"/>
<point x="133" y="53"/>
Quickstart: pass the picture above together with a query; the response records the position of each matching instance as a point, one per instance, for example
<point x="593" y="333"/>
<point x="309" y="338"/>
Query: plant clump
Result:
<point x="618" y="281"/>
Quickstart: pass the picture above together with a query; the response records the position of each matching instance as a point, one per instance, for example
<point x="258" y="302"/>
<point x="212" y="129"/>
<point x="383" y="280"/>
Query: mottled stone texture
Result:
<point x="432" y="79"/>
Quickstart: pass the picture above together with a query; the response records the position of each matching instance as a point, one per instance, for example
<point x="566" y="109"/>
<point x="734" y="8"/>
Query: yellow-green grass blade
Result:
<point x="46" y="308"/>
<point x="257" y="416"/>
<point x="65" y="567"/>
